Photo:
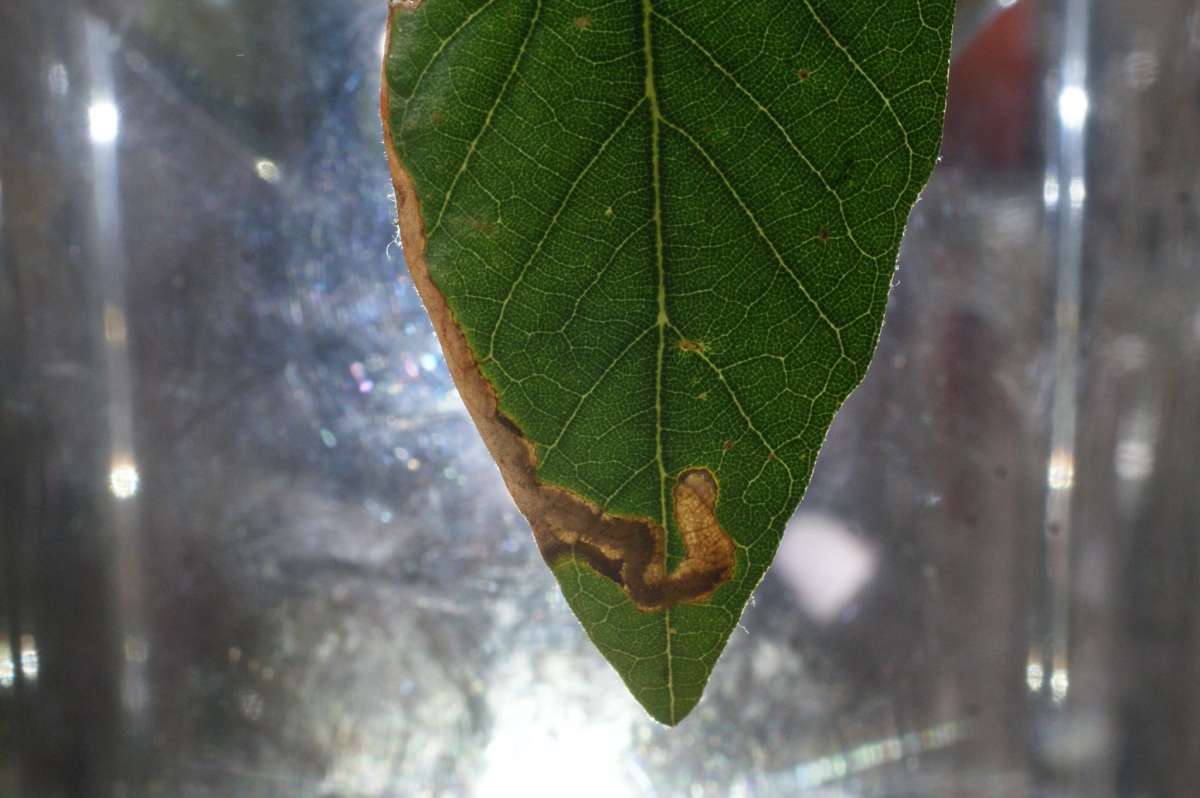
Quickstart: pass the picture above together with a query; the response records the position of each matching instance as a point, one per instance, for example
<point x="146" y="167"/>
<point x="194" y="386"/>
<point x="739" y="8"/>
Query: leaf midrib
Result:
<point x="663" y="320"/>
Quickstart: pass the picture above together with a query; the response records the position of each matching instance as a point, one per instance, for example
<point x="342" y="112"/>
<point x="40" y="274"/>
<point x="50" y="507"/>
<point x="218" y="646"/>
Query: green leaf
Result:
<point x="656" y="239"/>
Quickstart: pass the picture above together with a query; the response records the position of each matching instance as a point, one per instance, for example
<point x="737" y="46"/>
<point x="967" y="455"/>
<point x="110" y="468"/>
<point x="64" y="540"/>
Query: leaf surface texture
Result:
<point x="657" y="240"/>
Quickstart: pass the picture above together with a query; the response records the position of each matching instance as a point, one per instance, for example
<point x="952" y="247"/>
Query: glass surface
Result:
<point x="250" y="544"/>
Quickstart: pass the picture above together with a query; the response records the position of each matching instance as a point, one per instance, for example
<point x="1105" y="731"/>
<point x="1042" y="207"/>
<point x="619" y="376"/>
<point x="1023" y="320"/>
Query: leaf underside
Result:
<point x="656" y="239"/>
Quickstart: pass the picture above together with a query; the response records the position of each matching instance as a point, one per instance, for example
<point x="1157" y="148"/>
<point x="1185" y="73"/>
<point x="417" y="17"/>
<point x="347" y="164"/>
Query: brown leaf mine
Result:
<point x="630" y="551"/>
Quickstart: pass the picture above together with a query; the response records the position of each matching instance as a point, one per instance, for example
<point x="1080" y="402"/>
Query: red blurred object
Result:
<point x="991" y="119"/>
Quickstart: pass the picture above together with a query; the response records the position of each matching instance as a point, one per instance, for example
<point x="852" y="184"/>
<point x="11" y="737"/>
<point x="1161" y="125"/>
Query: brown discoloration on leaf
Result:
<point x="803" y="74"/>
<point x="507" y="423"/>
<point x="487" y="228"/>
<point x="637" y="547"/>
<point x="437" y="117"/>
<point x="583" y="23"/>
<point x="630" y="551"/>
<point x="823" y="236"/>
<point x="691" y="346"/>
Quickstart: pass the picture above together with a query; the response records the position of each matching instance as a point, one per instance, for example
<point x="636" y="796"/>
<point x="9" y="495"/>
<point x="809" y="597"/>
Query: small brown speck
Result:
<point x="438" y="117"/>
<point x="803" y="74"/>
<point x="583" y="23"/>
<point x="823" y="236"/>
<point x="690" y="346"/>
<point x="728" y="445"/>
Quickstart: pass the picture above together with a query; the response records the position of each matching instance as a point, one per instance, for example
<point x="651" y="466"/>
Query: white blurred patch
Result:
<point x="541" y="745"/>
<point x="104" y="121"/>
<point x="267" y="170"/>
<point x="1134" y="456"/>
<point x="1073" y="105"/>
<point x="123" y="479"/>
<point x="825" y="563"/>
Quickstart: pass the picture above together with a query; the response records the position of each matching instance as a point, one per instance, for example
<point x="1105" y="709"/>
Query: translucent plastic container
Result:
<point x="250" y="544"/>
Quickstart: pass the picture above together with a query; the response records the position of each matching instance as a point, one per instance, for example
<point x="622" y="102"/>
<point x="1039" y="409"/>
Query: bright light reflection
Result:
<point x="1050" y="191"/>
<point x="28" y="658"/>
<point x="1078" y="192"/>
<point x="115" y="331"/>
<point x="876" y="754"/>
<point x="825" y="563"/>
<point x="58" y="79"/>
<point x="541" y="743"/>
<point x="1073" y="107"/>
<point x="124" y="479"/>
<point x="1134" y="459"/>
<point x="137" y="650"/>
<point x="7" y="671"/>
<point x="1060" y="474"/>
<point x="1060" y="683"/>
<point x="1035" y="676"/>
<point x="1141" y="69"/>
<point x="267" y="170"/>
<point x="104" y="122"/>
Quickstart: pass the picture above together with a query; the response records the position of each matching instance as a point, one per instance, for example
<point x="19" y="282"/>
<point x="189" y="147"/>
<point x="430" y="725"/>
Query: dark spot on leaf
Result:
<point x="803" y="74"/>
<point x="583" y="23"/>
<point x="823" y="236"/>
<point x="727" y="446"/>
<point x="690" y="346"/>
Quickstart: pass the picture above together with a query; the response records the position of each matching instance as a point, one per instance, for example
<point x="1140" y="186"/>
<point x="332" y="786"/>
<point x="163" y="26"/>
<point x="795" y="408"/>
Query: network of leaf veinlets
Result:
<point x="667" y="231"/>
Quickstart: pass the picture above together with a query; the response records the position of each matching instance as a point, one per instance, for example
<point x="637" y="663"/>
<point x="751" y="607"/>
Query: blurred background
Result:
<point x="251" y="545"/>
